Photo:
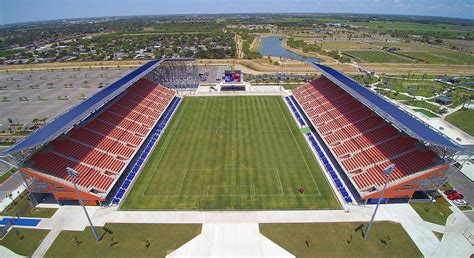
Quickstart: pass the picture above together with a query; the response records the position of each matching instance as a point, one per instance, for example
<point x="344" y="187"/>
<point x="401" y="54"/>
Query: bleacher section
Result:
<point x="329" y="168"/>
<point x="295" y="111"/>
<point x="362" y="142"/>
<point x="100" y="148"/>
<point x="155" y="135"/>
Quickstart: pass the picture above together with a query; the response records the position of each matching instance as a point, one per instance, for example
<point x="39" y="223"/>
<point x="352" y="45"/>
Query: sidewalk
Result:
<point x="230" y="240"/>
<point x="456" y="241"/>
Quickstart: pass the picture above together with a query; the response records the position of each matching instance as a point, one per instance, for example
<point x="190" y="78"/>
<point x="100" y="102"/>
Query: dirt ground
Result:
<point x="257" y="66"/>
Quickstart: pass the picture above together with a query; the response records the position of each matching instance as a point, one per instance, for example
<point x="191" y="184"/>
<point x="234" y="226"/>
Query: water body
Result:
<point x="272" y="46"/>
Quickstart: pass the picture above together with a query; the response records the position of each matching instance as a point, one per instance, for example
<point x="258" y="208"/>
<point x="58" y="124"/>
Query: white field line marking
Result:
<point x="279" y="180"/>
<point x="240" y="195"/>
<point x="168" y="140"/>
<point x="182" y="182"/>
<point x="299" y="149"/>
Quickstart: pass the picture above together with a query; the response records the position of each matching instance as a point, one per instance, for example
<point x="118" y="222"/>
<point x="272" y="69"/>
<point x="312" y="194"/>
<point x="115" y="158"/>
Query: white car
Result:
<point x="459" y="202"/>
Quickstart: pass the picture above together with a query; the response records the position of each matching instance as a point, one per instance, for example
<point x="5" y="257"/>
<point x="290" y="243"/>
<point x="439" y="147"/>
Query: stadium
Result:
<point x="146" y="143"/>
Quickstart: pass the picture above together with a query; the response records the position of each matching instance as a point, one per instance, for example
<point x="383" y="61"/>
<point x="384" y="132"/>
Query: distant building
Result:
<point x="449" y="80"/>
<point x="391" y="49"/>
<point x="443" y="100"/>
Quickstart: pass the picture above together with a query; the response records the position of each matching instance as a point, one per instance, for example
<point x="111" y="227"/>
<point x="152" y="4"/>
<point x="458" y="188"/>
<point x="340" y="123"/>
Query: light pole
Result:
<point x="388" y="171"/>
<point x="73" y="173"/>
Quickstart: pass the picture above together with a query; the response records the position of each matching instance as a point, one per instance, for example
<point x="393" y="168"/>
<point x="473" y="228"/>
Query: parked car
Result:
<point x="459" y="202"/>
<point x="455" y="196"/>
<point x="451" y="191"/>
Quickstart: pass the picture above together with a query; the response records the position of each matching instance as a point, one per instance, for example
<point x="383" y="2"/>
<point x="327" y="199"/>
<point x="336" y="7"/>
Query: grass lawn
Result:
<point x="424" y="88"/>
<point x="23" y="241"/>
<point x="288" y="86"/>
<point x="378" y="56"/>
<point x="423" y="104"/>
<point x="438" y="235"/>
<point x="465" y="208"/>
<point x="458" y="94"/>
<point x="440" y="57"/>
<point x="21" y="201"/>
<point x="408" y="46"/>
<point x="386" y="239"/>
<point x="126" y="240"/>
<point x="426" y="112"/>
<point x="345" y="45"/>
<point x="393" y="95"/>
<point x="434" y="212"/>
<point x="231" y="153"/>
<point x="463" y="119"/>
<point x="5" y="176"/>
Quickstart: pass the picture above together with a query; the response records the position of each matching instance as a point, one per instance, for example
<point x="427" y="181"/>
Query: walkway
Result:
<point x="230" y="240"/>
<point x="5" y="252"/>
<point x="65" y="218"/>
<point x="458" y="239"/>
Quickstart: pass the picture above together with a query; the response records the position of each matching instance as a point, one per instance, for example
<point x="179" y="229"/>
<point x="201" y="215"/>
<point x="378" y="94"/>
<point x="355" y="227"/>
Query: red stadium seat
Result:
<point x="363" y="142"/>
<point x="101" y="148"/>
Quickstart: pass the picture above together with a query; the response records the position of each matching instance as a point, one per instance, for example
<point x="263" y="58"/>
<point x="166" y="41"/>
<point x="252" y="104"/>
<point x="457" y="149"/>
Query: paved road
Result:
<point x="463" y="185"/>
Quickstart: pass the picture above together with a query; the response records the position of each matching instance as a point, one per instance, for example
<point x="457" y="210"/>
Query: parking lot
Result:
<point x="25" y="96"/>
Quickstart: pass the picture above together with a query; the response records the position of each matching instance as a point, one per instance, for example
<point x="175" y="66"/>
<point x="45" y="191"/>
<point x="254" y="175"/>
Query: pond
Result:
<point x="272" y="46"/>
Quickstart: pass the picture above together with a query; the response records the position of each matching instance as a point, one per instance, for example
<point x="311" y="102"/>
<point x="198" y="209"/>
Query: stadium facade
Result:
<point x="107" y="137"/>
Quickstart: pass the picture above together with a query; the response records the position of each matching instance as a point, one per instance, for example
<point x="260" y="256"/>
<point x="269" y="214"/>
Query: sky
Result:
<point x="14" y="11"/>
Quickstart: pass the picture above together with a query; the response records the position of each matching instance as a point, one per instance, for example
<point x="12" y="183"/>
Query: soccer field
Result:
<point x="231" y="153"/>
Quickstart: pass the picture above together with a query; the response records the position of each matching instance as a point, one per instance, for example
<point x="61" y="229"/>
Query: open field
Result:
<point x="465" y="45"/>
<point x="231" y="153"/>
<point x="386" y="239"/>
<point x="440" y="57"/>
<point x="23" y="241"/>
<point x="425" y="88"/>
<point x="126" y="240"/>
<point x="438" y="30"/>
<point x="411" y="46"/>
<point x="420" y="68"/>
<point x="258" y="66"/>
<point x="463" y="119"/>
<point x="345" y="45"/>
<point x="378" y="56"/>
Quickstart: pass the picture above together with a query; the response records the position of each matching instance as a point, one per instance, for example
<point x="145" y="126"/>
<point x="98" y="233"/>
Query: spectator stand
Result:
<point x="325" y="163"/>
<point x="296" y="113"/>
<point x="330" y="170"/>
<point x="141" y="157"/>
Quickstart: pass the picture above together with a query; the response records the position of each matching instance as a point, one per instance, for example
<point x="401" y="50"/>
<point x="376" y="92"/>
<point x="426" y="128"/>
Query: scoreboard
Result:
<point x="233" y="77"/>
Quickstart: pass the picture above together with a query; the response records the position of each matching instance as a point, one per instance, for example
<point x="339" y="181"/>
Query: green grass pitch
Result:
<point x="233" y="153"/>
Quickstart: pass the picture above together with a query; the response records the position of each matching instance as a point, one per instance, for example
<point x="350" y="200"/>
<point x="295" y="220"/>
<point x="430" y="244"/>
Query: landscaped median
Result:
<point x="23" y="241"/>
<point x="435" y="212"/>
<point x="124" y="240"/>
<point x="345" y="239"/>
<point x="21" y="202"/>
